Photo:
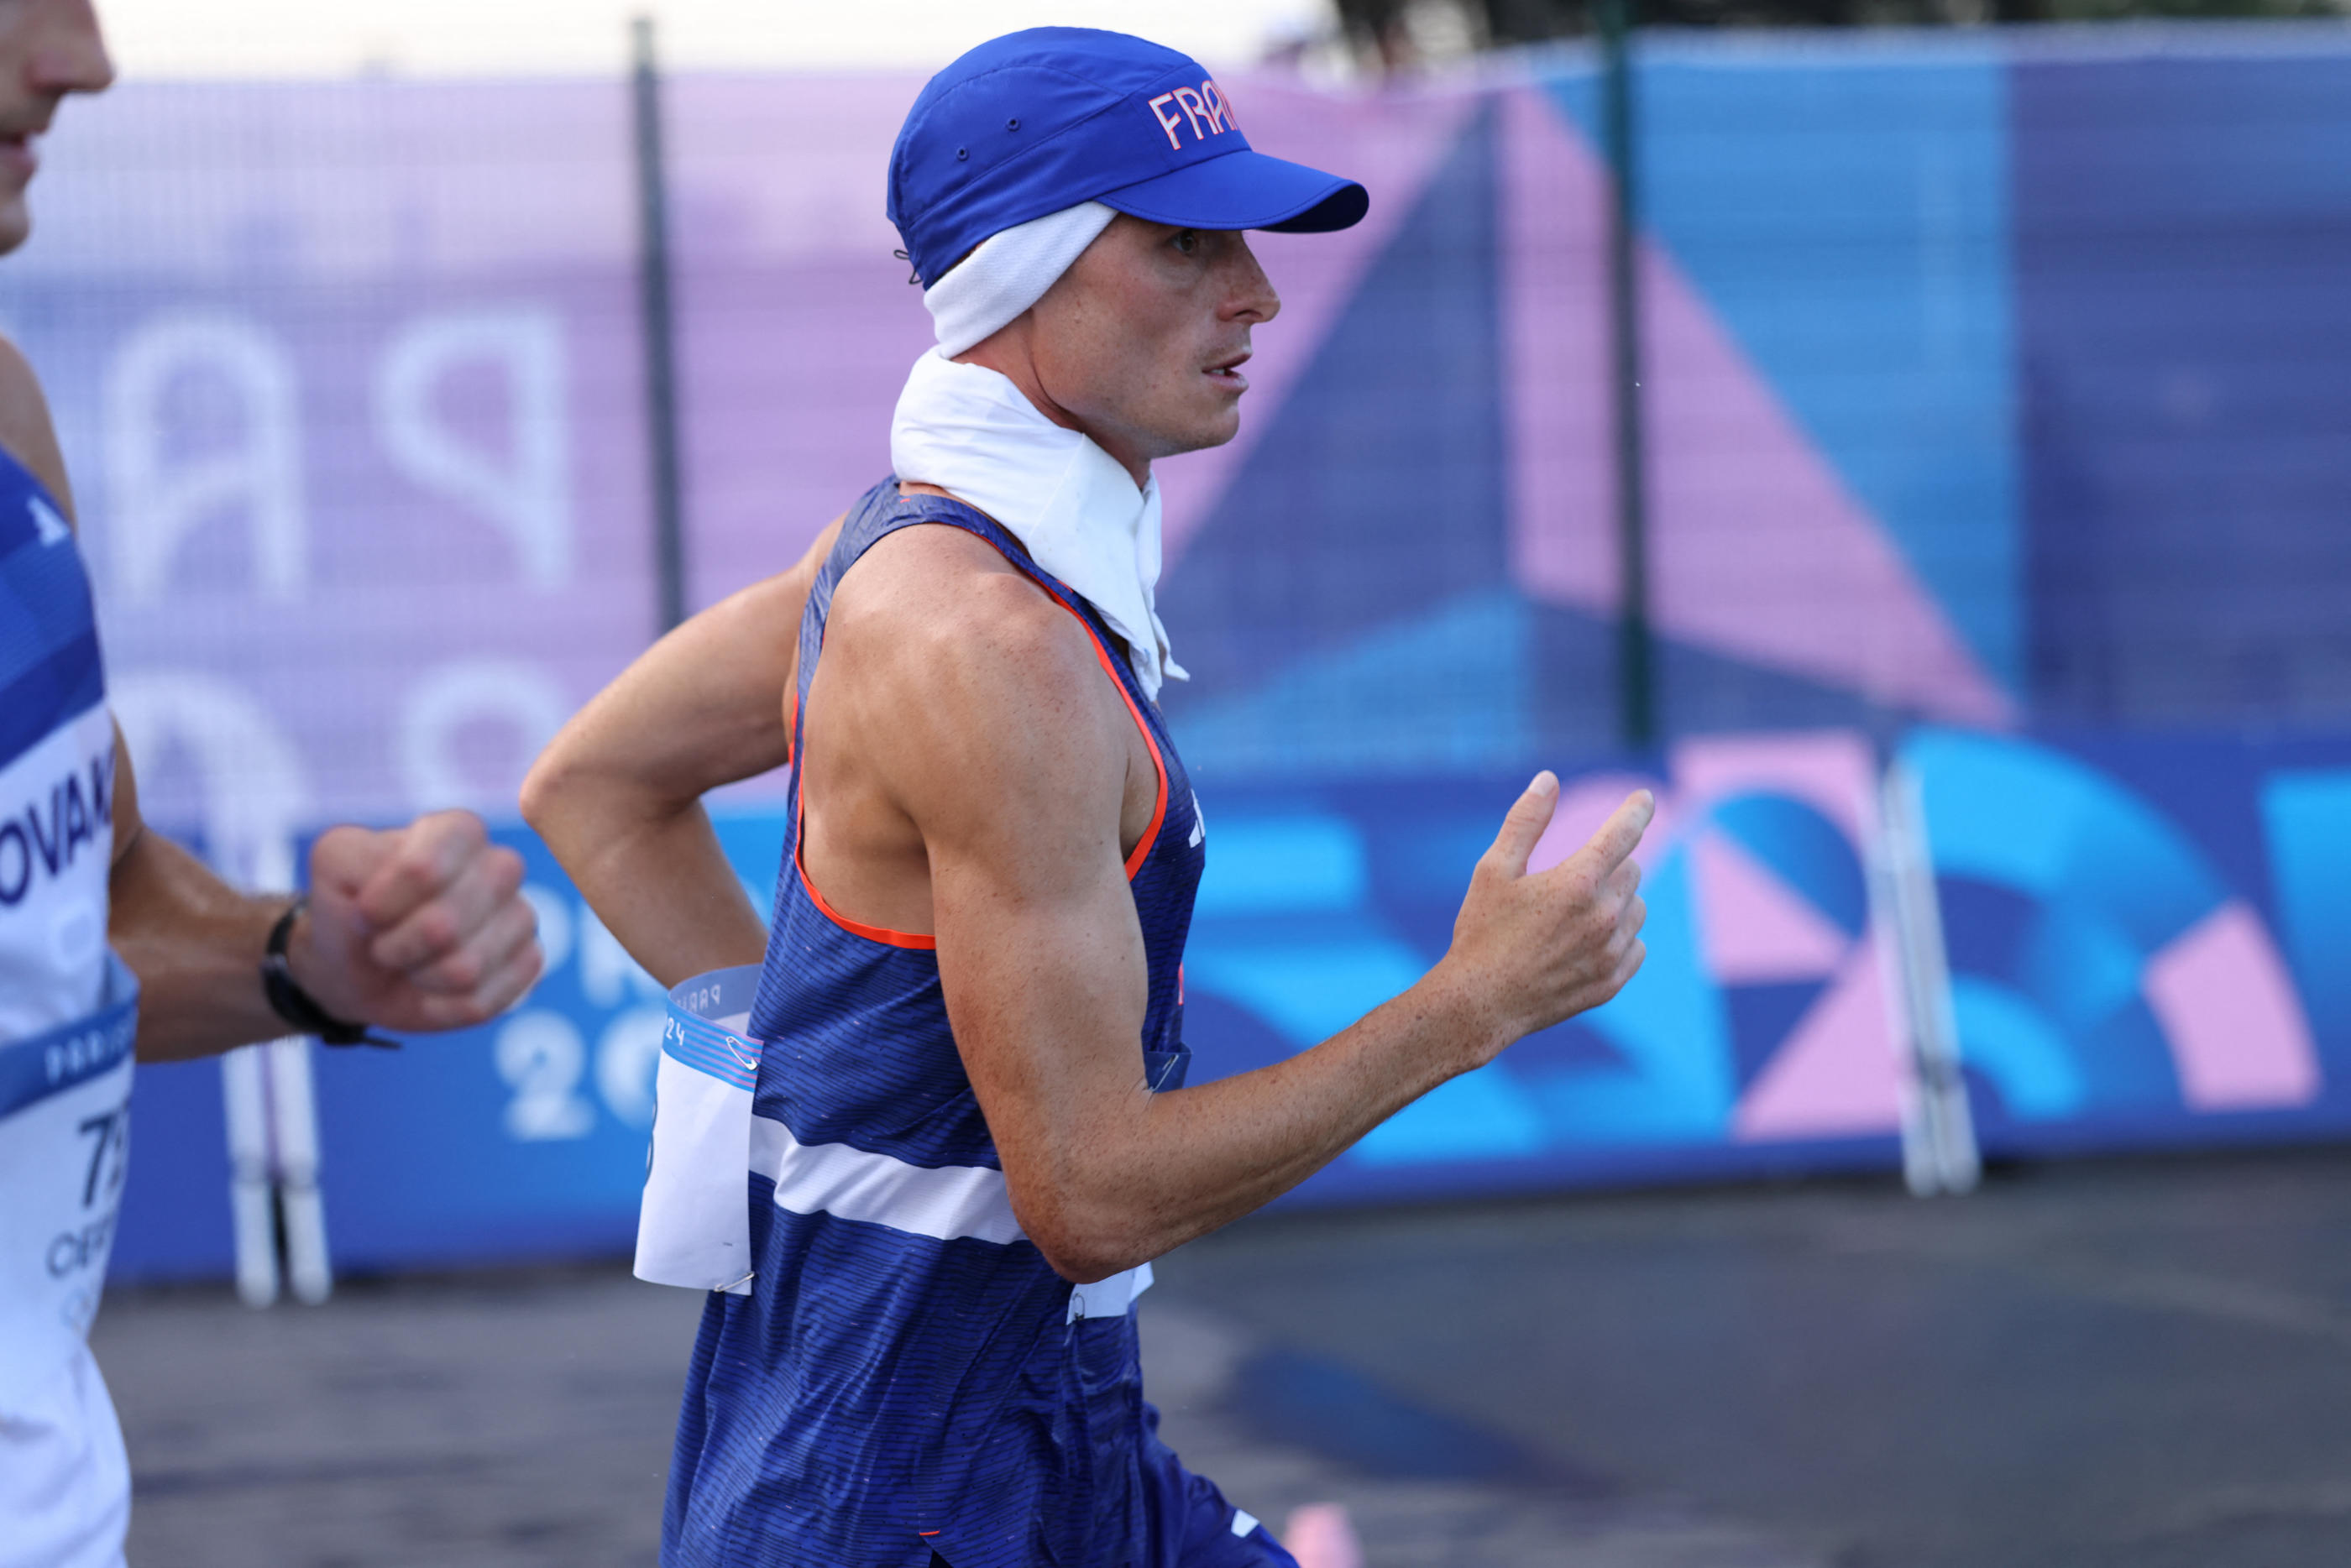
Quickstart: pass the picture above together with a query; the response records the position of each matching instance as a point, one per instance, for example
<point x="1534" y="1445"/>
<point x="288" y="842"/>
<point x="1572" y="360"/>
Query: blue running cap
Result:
<point x="1038" y="120"/>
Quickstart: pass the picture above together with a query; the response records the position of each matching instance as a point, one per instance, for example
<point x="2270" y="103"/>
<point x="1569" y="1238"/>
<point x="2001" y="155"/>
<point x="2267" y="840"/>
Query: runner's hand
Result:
<point x="420" y="927"/>
<point x="1533" y="949"/>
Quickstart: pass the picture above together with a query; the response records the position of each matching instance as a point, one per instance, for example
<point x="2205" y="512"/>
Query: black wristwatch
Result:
<point x="296" y="1005"/>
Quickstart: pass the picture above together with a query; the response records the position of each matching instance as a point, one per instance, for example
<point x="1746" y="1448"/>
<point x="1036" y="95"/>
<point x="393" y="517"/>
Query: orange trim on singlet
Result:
<point x="1158" y="764"/>
<point x="914" y="940"/>
<point x="930" y="943"/>
<point x="881" y="934"/>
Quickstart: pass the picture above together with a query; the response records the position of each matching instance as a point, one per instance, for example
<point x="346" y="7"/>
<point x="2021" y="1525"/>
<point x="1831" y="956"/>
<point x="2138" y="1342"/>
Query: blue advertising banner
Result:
<point x="2149" y="942"/>
<point x="1757" y="1038"/>
<point x="2148" y="937"/>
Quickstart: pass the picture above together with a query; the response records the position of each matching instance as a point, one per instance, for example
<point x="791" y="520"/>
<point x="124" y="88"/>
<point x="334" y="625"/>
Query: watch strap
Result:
<point x="298" y="1006"/>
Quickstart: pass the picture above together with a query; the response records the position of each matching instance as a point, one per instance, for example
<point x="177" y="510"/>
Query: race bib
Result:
<point x="65" y="1146"/>
<point x="694" y="1227"/>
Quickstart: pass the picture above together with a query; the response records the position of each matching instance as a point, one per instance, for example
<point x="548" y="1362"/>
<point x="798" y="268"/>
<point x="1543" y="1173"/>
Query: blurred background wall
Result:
<point x="1994" y="388"/>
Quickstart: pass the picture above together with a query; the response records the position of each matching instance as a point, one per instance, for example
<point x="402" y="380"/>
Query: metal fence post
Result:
<point x="1636" y="693"/>
<point x="658" y="326"/>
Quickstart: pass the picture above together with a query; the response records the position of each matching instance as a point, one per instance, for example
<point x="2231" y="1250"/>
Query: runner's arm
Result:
<point x="418" y="929"/>
<point x="618" y="793"/>
<point x="1017" y="790"/>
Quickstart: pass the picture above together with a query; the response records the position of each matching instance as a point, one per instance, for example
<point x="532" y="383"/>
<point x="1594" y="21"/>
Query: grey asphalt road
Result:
<point x="2144" y="1363"/>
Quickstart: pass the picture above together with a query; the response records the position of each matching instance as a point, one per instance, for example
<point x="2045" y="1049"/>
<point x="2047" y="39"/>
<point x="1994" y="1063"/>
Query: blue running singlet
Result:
<point x="906" y="1377"/>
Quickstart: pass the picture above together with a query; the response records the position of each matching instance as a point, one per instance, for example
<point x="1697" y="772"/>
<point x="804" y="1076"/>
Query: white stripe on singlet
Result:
<point x="947" y="1203"/>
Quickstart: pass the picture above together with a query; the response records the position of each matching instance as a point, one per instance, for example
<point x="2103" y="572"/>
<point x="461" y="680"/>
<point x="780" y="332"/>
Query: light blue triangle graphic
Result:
<point x="1846" y="217"/>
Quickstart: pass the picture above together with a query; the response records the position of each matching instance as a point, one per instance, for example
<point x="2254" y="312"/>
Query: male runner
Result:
<point x="970" y="1137"/>
<point x="420" y="929"/>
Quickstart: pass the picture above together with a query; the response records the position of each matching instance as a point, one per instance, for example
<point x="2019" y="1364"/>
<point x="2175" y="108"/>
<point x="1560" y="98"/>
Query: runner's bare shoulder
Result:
<point x="26" y="429"/>
<point x="945" y="599"/>
<point x="951" y="664"/>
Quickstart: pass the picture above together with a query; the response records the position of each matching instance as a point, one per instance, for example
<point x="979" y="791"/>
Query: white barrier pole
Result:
<point x="1938" y="1139"/>
<point x="244" y="1097"/>
<point x="273" y="1135"/>
<point x="294" y="1134"/>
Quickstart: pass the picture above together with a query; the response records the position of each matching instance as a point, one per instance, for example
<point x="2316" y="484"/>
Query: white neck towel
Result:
<point x="1072" y="506"/>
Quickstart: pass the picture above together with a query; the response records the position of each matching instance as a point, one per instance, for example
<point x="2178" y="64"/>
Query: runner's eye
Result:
<point x="1186" y="241"/>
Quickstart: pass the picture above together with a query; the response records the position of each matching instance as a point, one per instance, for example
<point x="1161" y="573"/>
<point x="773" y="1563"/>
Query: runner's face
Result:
<point x="47" y="50"/>
<point x="1144" y="338"/>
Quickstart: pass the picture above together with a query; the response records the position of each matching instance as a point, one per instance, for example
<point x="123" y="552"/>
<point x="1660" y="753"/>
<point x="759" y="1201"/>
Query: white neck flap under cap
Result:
<point x="1008" y="273"/>
<point x="1072" y="506"/>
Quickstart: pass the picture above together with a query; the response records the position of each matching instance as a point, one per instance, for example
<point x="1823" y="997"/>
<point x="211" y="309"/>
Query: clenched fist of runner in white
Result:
<point x="1535" y="947"/>
<point x="419" y="928"/>
<point x="412" y="929"/>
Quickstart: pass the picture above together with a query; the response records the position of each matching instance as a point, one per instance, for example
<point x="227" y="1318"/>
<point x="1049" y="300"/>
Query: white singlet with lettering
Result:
<point x="68" y="1014"/>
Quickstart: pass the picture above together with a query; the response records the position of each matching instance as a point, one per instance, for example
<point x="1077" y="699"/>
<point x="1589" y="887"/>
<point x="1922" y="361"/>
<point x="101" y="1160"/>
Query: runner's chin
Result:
<point x="15" y="217"/>
<point x="1215" y="421"/>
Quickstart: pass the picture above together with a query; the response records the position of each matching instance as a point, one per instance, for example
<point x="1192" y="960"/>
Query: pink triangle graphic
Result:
<point x="1554" y="284"/>
<point x="1836" y="1076"/>
<point x="1758" y="549"/>
<point x="1390" y="144"/>
<point x="1754" y="929"/>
